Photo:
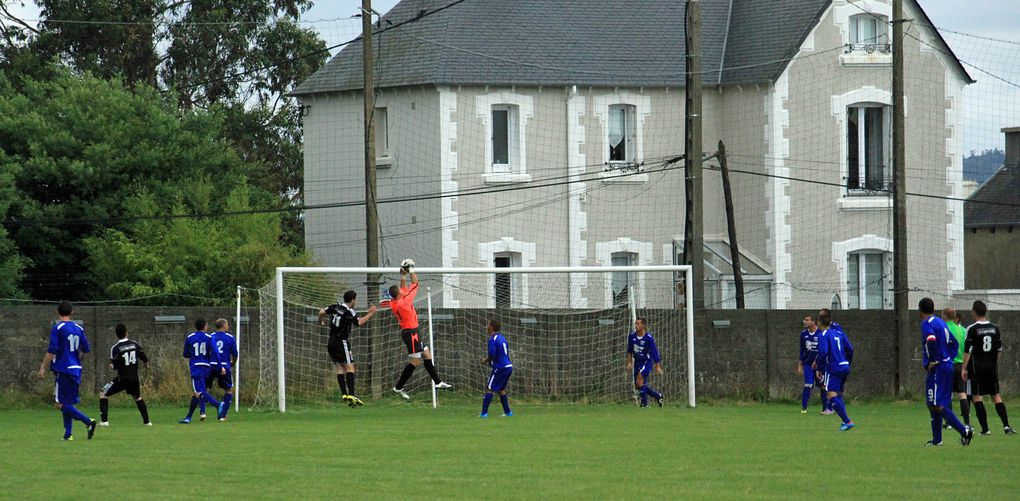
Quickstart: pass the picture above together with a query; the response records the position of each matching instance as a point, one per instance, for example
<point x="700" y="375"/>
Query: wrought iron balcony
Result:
<point x="869" y="48"/>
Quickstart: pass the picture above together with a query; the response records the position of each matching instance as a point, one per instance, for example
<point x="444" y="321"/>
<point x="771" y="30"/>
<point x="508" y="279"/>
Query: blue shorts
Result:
<point x="224" y="381"/>
<point x="65" y="390"/>
<point x="938" y="385"/>
<point x="198" y="383"/>
<point x="809" y="375"/>
<point x="644" y="369"/>
<point x="499" y="378"/>
<point x="835" y="381"/>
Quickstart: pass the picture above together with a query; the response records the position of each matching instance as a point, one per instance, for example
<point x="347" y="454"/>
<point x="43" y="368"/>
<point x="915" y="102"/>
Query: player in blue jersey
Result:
<point x="939" y="347"/>
<point x="224" y="353"/>
<point x="198" y="349"/>
<point x="808" y="355"/>
<point x="835" y="354"/>
<point x="499" y="359"/>
<point x="63" y="357"/>
<point x="642" y="354"/>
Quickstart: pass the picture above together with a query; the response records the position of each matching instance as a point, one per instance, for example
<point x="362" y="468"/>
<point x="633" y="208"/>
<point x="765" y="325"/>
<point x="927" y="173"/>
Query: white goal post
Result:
<point x="558" y="296"/>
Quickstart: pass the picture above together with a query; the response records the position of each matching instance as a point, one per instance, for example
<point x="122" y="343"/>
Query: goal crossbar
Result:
<point x="685" y="269"/>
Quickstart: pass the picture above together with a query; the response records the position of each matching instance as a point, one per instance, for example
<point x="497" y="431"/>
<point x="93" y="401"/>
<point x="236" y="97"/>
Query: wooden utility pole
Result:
<point x="900" y="276"/>
<point x="731" y="227"/>
<point x="694" y="238"/>
<point x="371" y="210"/>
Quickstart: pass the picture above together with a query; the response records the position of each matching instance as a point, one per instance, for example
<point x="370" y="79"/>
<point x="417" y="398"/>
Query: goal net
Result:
<point x="567" y="329"/>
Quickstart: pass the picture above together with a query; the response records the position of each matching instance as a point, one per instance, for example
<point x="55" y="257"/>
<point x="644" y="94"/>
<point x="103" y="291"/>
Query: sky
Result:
<point x="990" y="103"/>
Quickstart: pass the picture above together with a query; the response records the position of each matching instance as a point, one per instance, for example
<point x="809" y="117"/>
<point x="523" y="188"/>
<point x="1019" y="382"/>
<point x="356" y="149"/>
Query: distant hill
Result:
<point x="980" y="166"/>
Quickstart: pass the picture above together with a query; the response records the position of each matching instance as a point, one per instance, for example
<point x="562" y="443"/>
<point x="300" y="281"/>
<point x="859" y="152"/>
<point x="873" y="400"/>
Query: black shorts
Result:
<point x="959" y="385"/>
<point x="340" y="352"/>
<point x="983" y="382"/>
<point x="118" y="385"/>
<point x="412" y="341"/>
<point x="224" y="381"/>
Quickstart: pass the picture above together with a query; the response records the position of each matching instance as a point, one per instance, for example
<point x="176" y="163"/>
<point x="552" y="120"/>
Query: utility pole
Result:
<point x="900" y="276"/>
<point x="371" y="211"/>
<point x="694" y="238"/>
<point x="731" y="226"/>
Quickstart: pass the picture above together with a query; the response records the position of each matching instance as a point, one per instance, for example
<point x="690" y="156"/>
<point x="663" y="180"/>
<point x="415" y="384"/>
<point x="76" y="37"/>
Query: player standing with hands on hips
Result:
<point x="402" y="304"/>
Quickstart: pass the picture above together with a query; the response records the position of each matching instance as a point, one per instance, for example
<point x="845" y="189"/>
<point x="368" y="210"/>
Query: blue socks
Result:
<point x="652" y="393"/>
<point x="506" y="403"/>
<point x="644" y="396"/>
<point x="206" y="396"/>
<point x="227" y="398"/>
<point x="68" y="421"/>
<point x="485" y="402"/>
<point x="805" y="397"/>
<point x="840" y="408"/>
<point x="936" y="427"/>
<point x="826" y="404"/>
<point x="953" y="421"/>
<point x="75" y="413"/>
<point x="192" y="406"/>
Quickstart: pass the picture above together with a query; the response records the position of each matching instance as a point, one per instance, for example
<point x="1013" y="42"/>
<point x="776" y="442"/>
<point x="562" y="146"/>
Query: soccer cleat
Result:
<point x="968" y="433"/>
<point x="403" y="394"/>
<point x="509" y="414"/>
<point x="69" y="438"/>
<point x="104" y="424"/>
<point x="660" y="400"/>
<point x="346" y="399"/>
<point x="92" y="428"/>
<point x="484" y="415"/>
<point x="827" y="412"/>
<point x="185" y="421"/>
<point x="945" y="426"/>
<point x="201" y="417"/>
<point x="643" y="406"/>
<point x="356" y="402"/>
<point x="223" y="419"/>
<point x="443" y="385"/>
<point x="932" y="444"/>
<point x="1009" y="431"/>
<point x="847" y="426"/>
<point x="803" y="411"/>
<point x="147" y="424"/>
<point x="986" y="433"/>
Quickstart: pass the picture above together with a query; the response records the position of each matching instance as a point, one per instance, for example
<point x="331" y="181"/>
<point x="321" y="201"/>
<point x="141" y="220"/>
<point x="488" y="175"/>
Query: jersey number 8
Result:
<point x="986" y="344"/>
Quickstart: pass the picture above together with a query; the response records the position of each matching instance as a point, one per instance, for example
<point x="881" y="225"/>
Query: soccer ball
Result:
<point x="407" y="265"/>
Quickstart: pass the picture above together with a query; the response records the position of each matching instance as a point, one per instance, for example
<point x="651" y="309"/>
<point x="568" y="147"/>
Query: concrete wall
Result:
<point x="991" y="258"/>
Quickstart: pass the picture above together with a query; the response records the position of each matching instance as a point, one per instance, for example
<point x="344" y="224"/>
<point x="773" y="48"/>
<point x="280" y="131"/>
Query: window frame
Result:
<point x="382" y="132"/>
<point x="513" y="260"/>
<point x="513" y="165"/>
<point x="628" y="279"/>
<point x="858" y="298"/>
<point x="629" y="134"/>
<point x="863" y="185"/>
<point x="879" y="43"/>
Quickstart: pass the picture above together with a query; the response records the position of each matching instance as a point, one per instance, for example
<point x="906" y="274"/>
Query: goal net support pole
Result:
<point x="432" y="346"/>
<point x="635" y="294"/>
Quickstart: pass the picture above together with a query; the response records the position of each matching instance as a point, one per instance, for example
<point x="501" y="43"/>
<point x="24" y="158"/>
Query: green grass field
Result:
<point x="391" y="450"/>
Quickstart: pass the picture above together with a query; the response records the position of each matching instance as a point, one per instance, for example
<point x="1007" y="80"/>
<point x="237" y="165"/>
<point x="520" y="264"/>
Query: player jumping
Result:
<point x="197" y="349"/>
<point x="124" y="357"/>
<point x="343" y="318"/>
<point x="499" y="359"/>
<point x="63" y="357"/>
<point x="981" y="367"/>
<point x="938" y="347"/>
<point x="402" y="304"/>
<point x="641" y="355"/>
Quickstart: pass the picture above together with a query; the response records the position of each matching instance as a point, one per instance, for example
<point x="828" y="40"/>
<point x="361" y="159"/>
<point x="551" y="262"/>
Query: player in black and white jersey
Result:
<point x="342" y="319"/>
<point x="124" y="357"/>
<point x="981" y="367"/>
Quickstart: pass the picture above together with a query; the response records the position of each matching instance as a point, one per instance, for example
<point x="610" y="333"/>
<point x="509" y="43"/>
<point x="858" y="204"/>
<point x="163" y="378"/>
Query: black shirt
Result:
<point x="984" y="343"/>
<point x="341" y="320"/>
<point x="124" y="355"/>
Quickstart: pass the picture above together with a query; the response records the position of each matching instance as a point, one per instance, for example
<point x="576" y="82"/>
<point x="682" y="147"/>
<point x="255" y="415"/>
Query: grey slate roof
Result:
<point x="626" y="43"/>
<point x="1001" y="197"/>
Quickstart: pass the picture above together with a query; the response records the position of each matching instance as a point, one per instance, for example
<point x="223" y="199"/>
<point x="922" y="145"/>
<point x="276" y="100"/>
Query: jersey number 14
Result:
<point x="130" y="358"/>
<point x="199" y="349"/>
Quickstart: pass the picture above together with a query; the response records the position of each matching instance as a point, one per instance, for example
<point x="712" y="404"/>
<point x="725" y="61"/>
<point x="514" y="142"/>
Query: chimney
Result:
<point x="1012" y="145"/>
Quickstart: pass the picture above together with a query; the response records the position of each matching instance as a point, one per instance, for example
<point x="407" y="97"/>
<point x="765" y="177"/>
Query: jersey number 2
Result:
<point x="219" y="347"/>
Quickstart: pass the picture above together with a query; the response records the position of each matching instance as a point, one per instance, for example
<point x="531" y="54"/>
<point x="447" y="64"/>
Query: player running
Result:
<point x="835" y="353"/>
<point x="642" y="354"/>
<point x="981" y="367"/>
<point x="499" y="360"/>
<point x="952" y="319"/>
<point x="221" y="364"/>
<point x="198" y="349"/>
<point x="938" y="347"/>
<point x="124" y="357"/>
<point x="808" y="355"/>
<point x="402" y="304"/>
<point x="343" y="318"/>
<point x="63" y="358"/>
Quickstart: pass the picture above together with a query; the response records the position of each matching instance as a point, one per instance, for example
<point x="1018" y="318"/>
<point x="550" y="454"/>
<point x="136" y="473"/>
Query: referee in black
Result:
<point x="124" y="357"/>
<point x="342" y="318"/>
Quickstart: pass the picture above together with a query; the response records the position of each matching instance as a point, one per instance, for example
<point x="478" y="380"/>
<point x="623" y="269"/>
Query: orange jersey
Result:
<point x="403" y="308"/>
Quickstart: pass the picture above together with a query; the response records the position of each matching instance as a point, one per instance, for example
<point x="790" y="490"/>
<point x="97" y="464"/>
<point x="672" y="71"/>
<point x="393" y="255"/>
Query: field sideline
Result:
<point x="383" y="450"/>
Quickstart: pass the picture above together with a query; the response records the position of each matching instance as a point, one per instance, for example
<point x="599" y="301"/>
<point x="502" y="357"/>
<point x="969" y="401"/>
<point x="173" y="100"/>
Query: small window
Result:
<point x="622" y="132"/>
<point x="504" y="139"/>
<point x="507" y="286"/>
<point x="382" y="133"/>
<point x="867" y="149"/>
<point x="866" y="280"/>
<point x="869" y="32"/>
<point x="621" y="279"/>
